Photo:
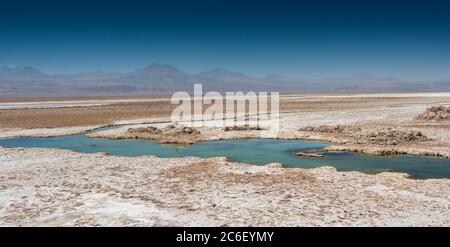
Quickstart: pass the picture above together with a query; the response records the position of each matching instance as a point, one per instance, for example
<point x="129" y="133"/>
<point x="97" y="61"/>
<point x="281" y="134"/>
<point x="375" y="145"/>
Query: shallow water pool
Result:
<point x="253" y="151"/>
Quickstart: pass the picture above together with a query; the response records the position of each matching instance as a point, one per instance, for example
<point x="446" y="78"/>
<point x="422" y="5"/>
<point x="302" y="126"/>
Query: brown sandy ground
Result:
<point x="56" y="117"/>
<point x="49" y="187"/>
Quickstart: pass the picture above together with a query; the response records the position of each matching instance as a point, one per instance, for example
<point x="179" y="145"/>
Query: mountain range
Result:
<point x="164" y="79"/>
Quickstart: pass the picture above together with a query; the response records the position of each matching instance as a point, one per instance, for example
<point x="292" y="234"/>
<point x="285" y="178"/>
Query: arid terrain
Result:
<point x="57" y="187"/>
<point x="48" y="187"/>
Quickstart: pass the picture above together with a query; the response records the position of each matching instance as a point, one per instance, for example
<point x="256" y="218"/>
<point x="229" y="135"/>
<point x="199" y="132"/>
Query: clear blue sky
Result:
<point x="405" y="39"/>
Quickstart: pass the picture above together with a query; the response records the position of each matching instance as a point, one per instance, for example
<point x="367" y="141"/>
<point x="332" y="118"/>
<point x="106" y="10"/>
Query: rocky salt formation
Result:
<point x="379" y="140"/>
<point x="331" y="129"/>
<point x="169" y="134"/>
<point x="436" y="113"/>
<point x="387" y="136"/>
<point x="241" y="128"/>
<point x="309" y="155"/>
<point x="50" y="187"/>
<point x="392" y="137"/>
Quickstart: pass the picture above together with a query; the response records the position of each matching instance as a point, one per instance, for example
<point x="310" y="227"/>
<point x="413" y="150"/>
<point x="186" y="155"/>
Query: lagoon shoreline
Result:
<point x="59" y="187"/>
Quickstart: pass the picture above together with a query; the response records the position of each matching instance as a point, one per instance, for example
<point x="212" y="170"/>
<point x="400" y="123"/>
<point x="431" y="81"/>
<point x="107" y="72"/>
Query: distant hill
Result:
<point x="154" y="79"/>
<point x="274" y="77"/>
<point x="21" y="73"/>
<point x="223" y="75"/>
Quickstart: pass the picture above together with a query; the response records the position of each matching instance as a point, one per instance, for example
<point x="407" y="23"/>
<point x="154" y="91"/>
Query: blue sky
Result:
<point x="404" y="39"/>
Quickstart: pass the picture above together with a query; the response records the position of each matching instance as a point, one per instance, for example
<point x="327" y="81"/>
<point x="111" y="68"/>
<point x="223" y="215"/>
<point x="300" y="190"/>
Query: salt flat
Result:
<point x="49" y="187"/>
<point x="56" y="187"/>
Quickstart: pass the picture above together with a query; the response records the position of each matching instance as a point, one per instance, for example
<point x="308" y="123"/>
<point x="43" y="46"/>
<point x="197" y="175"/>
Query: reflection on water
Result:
<point x="257" y="151"/>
